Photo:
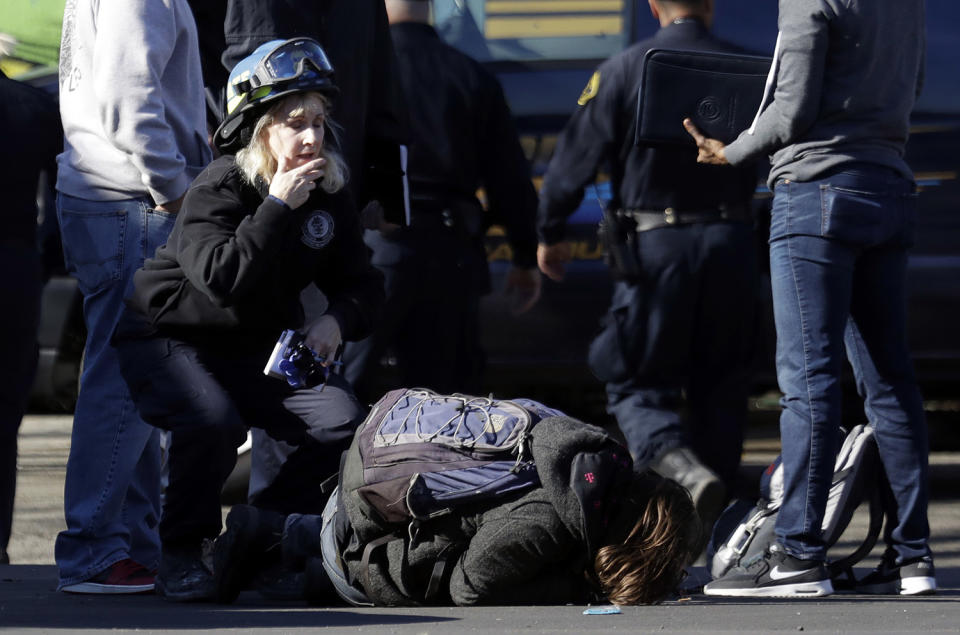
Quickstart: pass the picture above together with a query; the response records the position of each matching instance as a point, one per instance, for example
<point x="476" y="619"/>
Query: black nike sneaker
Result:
<point x="916" y="577"/>
<point x="776" y="574"/>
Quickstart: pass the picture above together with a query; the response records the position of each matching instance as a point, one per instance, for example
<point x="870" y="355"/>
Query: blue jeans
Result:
<point x="112" y="490"/>
<point x="675" y="349"/>
<point x="838" y="256"/>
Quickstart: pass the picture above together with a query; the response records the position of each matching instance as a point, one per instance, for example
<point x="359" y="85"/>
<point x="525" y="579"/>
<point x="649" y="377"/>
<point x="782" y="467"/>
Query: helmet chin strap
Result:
<point x="246" y="135"/>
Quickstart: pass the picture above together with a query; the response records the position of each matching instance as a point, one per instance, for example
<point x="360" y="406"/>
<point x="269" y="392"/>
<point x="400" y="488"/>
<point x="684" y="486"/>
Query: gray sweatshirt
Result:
<point x="131" y="100"/>
<point x="841" y="88"/>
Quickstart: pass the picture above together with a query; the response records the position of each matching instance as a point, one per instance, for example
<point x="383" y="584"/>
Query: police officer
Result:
<point x="674" y="349"/>
<point x="435" y="270"/>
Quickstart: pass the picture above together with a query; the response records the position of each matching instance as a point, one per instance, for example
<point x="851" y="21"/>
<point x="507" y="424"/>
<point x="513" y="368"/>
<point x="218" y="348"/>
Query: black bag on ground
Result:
<point x="745" y="530"/>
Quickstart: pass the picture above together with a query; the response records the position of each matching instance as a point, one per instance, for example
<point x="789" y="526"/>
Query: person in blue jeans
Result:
<point x="132" y="106"/>
<point x="835" y="118"/>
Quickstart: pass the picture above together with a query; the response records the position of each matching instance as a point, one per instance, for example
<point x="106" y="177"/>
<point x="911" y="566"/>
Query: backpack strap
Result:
<point x="858" y="467"/>
<point x="841" y="571"/>
<point x="368" y="550"/>
<point x="330" y="483"/>
<point x="444" y="558"/>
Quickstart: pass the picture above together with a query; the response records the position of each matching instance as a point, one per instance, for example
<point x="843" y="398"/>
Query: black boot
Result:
<point x="251" y="536"/>
<point x="183" y="576"/>
<point x="279" y="582"/>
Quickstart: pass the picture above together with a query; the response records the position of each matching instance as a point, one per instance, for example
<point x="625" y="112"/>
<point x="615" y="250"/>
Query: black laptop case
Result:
<point x="720" y="92"/>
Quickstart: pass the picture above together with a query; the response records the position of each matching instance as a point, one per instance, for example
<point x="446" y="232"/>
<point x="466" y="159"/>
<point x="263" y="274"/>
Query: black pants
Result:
<point x="677" y="344"/>
<point x="207" y="399"/>
<point x="20" y="290"/>
<point x="434" y="279"/>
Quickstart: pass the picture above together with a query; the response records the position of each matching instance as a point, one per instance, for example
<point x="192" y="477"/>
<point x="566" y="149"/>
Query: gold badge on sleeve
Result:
<point x="590" y="90"/>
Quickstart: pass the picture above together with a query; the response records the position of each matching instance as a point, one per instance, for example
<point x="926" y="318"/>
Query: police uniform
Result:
<point x="436" y="270"/>
<point x="680" y="322"/>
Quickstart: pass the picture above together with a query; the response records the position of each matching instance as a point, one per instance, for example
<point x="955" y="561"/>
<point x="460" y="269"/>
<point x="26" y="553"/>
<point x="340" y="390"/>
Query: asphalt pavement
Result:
<point x="29" y="600"/>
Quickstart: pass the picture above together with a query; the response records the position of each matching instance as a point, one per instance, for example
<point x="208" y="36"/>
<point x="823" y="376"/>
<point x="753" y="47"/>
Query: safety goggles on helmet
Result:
<point x="274" y="70"/>
<point x="288" y="61"/>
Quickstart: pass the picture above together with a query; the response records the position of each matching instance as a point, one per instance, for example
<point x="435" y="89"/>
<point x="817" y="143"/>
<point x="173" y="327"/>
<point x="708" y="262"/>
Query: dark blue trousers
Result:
<point x="677" y="342"/>
<point x="20" y="289"/>
<point x="434" y="279"/>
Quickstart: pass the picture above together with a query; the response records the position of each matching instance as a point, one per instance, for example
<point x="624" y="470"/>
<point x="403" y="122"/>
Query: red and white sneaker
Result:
<point x="125" y="576"/>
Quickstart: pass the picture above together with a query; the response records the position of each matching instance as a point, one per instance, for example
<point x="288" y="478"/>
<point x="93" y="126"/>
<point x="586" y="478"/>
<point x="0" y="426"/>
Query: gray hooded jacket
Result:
<point x="841" y="88"/>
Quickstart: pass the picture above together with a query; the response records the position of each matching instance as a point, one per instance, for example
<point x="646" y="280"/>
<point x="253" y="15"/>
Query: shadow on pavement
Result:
<point x="28" y="599"/>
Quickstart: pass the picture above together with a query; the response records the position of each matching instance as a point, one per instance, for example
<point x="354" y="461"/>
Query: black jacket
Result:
<point x="462" y="138"/>
<point x="236" y="261"/>
<point x="30" y="128"/>
<point x="535" y="548"/>
<point x="462" y="135"/>
<point x="600" y="135"/>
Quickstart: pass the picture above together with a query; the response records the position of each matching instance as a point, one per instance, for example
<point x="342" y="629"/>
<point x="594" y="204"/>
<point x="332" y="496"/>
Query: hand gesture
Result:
<point x="324" y="338"/>
<point x="553" y="259"/>
<point x="293" y="185"/>
<point x="711" y="150"/>
<point x="522" y="288"/>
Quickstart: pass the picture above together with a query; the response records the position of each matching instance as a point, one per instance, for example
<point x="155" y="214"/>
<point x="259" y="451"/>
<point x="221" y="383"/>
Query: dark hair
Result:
<point x="649" y="564"/>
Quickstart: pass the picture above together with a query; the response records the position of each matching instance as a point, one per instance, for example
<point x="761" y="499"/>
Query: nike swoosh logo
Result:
<point x="777" y="574"/>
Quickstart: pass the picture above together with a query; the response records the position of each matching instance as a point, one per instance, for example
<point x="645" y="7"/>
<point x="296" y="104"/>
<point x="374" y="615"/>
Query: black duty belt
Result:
<point x="647" y="219"/>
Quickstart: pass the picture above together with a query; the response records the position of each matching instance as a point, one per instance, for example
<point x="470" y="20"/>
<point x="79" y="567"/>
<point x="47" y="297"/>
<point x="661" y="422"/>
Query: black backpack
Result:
<point x="745" y="529"/>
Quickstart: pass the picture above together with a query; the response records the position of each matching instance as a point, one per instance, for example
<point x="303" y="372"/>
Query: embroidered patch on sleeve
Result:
<point x="590" y="91"/>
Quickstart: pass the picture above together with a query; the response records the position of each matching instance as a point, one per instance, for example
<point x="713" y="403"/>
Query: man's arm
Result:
<point x="585" y="142"/>
<point x="135" y="40"/>
<point x="511" y="197"/>
<point x="386" y="127"/>
<point x="505" y="173"/>
<point x="801" y="57"/>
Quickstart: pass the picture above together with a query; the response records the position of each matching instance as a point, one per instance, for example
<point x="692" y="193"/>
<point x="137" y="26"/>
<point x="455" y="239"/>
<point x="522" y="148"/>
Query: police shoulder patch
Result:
<point x="317" y="231"/>
<point x="590" y="90"/>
